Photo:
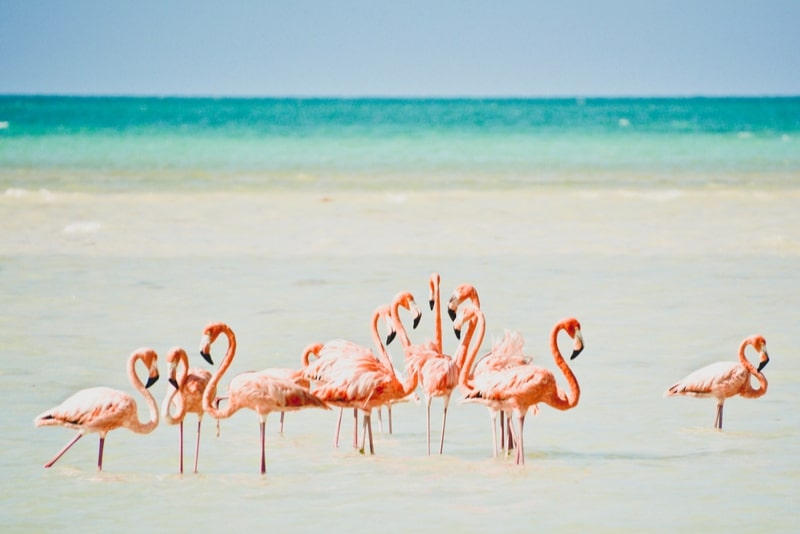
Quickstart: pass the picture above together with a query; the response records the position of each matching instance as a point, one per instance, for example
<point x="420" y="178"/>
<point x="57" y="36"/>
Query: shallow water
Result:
<point x="663" y="280"/>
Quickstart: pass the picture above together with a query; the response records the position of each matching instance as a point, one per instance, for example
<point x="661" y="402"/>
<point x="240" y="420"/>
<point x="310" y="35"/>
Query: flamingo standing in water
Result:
<point x="438" y="372"/>
<point x="349" y="375"/>
<point x="519" y="388"/>
<point x="257" y="391"/>
<point x="726" y="379"/>
<point x="505" y="353"/>
<point x="103" y="409"/>
<point x="186" y="396"/>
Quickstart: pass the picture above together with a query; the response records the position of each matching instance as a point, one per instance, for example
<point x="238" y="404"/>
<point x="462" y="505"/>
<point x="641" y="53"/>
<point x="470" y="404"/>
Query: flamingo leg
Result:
<point x="180" y="445"/>
<point x="428" y="421"/>
<point x="493" y="417"/>
<point x="519" y="458"/>
<point x="389" y="410"/>
<point x="197" y="443"/>
<point x="380" y="419"/>
<point x="100" y="453"/>
<point x="262" y="427"/>
<point x="338" y="426"/>
<point x="282" y="415"/>
<point x="718" y="419"/>
<point x="63" y="450"/>
<point x="355" y="428"/>
<point x="444" y="422"/>
<point x="502" y="432"/>
<point x="509" y="441"/>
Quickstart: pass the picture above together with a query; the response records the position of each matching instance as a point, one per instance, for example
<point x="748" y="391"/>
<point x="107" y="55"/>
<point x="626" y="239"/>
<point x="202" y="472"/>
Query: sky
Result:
<point x="401" y="48"/>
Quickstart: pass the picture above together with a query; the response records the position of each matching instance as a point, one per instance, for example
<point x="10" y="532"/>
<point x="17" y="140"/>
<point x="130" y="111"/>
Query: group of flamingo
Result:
<point x="348" y="375"/>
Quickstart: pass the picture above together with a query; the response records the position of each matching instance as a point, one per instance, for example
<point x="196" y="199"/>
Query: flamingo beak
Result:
<point x="152" y="379"/>
<point x="416" y="319"/>
<point x="764" y="360"/>
<point x="431" y="303"/>
<point x="205" y="349"/>
<point x="390" y="337"/>
<point x="172" y="379"/>
<point x="578" y="347"/>
<point x="457" y="332"/>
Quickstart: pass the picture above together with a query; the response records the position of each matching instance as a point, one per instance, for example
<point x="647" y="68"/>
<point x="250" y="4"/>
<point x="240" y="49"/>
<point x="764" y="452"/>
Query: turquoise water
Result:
<point x="669" y="228"/>
<point x="145" y="144"/>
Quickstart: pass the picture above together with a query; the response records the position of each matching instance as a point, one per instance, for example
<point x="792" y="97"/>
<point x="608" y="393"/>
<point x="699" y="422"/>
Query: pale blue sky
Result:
<point x="400" y="48"/>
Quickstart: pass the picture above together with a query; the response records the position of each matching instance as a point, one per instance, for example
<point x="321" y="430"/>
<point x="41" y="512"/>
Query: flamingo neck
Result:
<point x="468" y="352"/>
<point x="176" y="396"/>
<point x="383" y="354"/>
<point x="437" y="314"/>
<point x="749" y="392"/>
<point x="211" y="387"/>
<point x="150" y="425"/>
<point x="563" y="401"/>
<point x="401" y="330"/>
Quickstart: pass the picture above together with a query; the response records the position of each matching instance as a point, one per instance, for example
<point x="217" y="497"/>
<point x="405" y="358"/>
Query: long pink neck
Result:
<point x="211" y="387"/>
<point x="176" y="396"/>
<point x="467" y="352"/>
<point x="749" y="392"/>
<point x="383" y="354"/>
<point x="402" y="334"/>
<point x="136" y="425"/>
<point x="562" y="401"/>
<point x="437" y="312"/>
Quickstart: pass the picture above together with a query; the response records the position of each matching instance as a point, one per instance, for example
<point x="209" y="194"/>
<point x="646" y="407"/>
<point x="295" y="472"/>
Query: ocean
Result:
<point x="669" y="227"/>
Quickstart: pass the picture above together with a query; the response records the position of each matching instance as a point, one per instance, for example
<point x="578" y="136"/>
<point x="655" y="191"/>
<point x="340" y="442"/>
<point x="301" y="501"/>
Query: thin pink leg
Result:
<point x="389" y="410"/>
<point x="62" y="451"/>
<point x="100" y="453"/>
<point x="262" y="426"/>
<point x="197" y="443"/>
<point x="282" y="414"/>
<point x="338" y="426"/>
<point x="444" y="422"/>
<point x="355" y="428"/>
<point x="428" y="422"/>
<point x="180" y="429"/>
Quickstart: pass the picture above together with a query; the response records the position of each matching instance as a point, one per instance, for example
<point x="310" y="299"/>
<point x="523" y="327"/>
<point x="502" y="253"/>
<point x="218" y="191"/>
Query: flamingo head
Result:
<point x="460" y="294"/>
<point x="173" y="359"/>
<point x="573" y="329"/>
<point x="210" y="334"/>
<point x="150" y="359"/>
<point x="406" y="300"/>
<point x="434" y="289"/>
<point x="469" y="315"/>
<point x="760" y="344"/>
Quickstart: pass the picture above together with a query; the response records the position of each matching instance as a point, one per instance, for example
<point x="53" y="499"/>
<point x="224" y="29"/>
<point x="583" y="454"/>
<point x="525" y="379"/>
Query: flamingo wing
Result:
<point x="93" y="410"/>
<point x="720" y="379"/>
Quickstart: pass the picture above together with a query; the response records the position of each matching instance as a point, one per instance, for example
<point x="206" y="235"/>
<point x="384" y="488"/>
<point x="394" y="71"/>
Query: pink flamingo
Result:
<point x="726" y="379"/>
<point x="521" y="387"/>
<point x="294" y="375"/>
<point x="256" y="391"/>
<point x="102" y="409"/>
<point x="438" y="373"/>
<point x="186" y="396"/>
<point x="505" y="353"/>
<point x="349" y="375"/>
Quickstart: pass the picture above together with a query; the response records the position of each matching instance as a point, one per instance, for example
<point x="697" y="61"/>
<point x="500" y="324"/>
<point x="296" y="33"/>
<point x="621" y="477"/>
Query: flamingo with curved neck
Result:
<point x="726" y="379"/>
<point x="186" y="396"/>
<point x="519" y="388"/>
<point x="103" y="409"/>
<point x="352" y="376"/>
<point x="254" y="390"/>
<point x="461" y="293"/>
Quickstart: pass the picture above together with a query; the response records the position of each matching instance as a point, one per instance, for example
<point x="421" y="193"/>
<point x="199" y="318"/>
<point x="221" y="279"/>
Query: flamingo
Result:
<point x="186" y="396"/>
<point x="438" y="373"/>
<point x="726" y="379"/>
<point x="102" y="409"/>
<point x="257" y="391"/>
<point x="507" y="352"/>
<point x="521" y="387"/>
<point x="349" y="375"/>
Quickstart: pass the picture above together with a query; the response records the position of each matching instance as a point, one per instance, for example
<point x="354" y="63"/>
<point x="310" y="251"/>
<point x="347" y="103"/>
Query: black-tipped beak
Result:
<point x="458" y="332"/>
<point x="576" y="352"/>
<point x="452" y="313"/>
<point x="207" y="357"/>
<point x="416" y="320"/>
<point x="390" y="337"/>
<point x="151" y="380"/>
<point x="431" y="303"/>
<point x="763" y="364"/>
<point x="174" y="383"/>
